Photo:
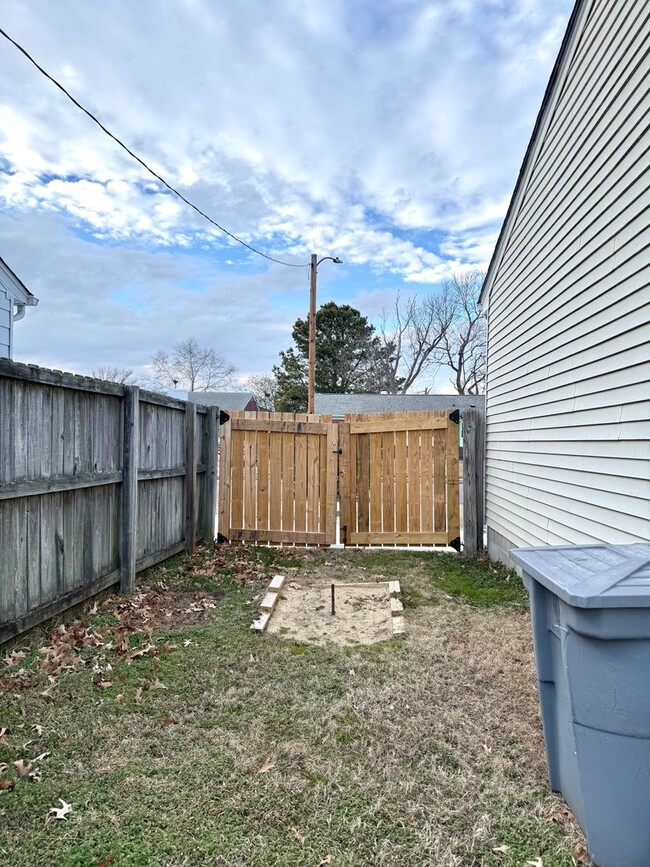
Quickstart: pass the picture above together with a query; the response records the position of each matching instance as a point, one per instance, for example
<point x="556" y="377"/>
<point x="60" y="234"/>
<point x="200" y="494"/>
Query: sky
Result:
<point x="389" y="134"/>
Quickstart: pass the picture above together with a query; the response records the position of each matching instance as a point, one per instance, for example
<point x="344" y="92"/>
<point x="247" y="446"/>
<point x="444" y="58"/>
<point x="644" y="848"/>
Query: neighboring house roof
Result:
<point x="337" y="405"/>
<point x="553" y="89"/>
<point x="15" y="286"/>
<point x="232" y="400"/>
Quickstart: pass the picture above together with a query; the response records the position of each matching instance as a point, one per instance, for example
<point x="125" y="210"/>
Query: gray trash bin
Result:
<point x="590" y="610"/>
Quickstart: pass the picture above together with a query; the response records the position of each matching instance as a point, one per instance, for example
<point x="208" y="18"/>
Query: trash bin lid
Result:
<point x="591" y="576"/>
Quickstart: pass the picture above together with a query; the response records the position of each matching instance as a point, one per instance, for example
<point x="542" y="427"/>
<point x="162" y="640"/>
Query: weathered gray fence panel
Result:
<point x="93" y="487"/>
<point x="473" y="469"/>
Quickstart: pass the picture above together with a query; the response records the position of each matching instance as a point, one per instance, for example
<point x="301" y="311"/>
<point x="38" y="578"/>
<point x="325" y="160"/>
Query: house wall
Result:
<point x="568" y="392"/>
<point x="5" y="324"/>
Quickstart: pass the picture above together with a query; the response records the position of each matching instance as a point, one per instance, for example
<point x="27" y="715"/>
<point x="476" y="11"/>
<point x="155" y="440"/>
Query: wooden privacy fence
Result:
<point x="97" y="482"/>
<point x="278" y="478"/>
<point x="400" y="483"/>
<point x="396" y="477"/>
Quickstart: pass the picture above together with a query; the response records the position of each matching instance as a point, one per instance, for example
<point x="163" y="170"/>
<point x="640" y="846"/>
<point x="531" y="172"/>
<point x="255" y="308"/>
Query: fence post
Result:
<point x="130" y="462"/>
<point x="473" y="468"/>
<point x="212" y="421"/>
<point x="190" y="476"/>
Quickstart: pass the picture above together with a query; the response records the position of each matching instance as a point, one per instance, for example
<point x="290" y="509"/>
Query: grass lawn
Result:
<point x="178" y="737"/>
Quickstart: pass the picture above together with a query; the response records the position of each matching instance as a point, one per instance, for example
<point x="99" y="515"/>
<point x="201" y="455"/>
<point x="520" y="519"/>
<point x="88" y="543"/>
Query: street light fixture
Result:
<point x="311" y="367"/>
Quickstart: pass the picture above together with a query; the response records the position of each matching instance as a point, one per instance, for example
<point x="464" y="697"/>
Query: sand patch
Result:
<point x="303" y="614"/>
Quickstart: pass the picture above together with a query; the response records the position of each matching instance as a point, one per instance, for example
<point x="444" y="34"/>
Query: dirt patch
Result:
<point x="304" y="614"/>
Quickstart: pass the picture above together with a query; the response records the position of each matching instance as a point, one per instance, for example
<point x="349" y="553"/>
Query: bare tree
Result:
<point x="417" y="332"/>
<point x="464" y="343"/>
<point x="191" y="366"/>
<point x="265" y="388"/>
<point x="121" y="375"/>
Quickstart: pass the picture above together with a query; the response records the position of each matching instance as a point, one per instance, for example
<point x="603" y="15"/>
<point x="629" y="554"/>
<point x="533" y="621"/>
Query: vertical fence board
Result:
<point x="453" y="512"/>
<point x="130" y="464"/>
<point x="439" y="480"/>
<point x="347" y="492"/>
<point x="300" y="447"/>
<point x="473" y="459"/>
<point x="388" y="478"/>
<point x="375" y="470"/>
<point x="313" y="481"/>
<point x="237" y="479"/>
<point x="277" y="481"/>
<point x="332" y="473"/>
<point x="426" y="475"/>
<point x="401" y="510"/>
<point x="288" y="481"/>
<point x="413" y="487"/>
<point x="225" y="480"/>
<point x="363" y="482"/>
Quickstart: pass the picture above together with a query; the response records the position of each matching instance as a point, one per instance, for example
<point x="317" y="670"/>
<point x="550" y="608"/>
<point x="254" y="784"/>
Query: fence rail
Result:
<point x="97" y="482"/>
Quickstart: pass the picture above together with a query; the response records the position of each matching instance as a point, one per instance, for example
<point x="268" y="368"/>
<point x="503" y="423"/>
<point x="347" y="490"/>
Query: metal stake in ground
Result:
<point x="333" y="603"/>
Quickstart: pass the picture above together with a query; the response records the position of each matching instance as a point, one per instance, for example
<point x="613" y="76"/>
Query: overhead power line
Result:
<point x="142" y="162"/>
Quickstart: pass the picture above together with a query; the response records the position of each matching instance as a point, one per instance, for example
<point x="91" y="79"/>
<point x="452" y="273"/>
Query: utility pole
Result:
<point x="311" y="371"/>
<point x="311" y="362"/>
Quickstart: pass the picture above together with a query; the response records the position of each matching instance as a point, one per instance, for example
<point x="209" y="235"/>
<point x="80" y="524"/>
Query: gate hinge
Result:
<point x="454" y="416"/>
<point x="455" y="544"/>
<point x="223" y="417"/>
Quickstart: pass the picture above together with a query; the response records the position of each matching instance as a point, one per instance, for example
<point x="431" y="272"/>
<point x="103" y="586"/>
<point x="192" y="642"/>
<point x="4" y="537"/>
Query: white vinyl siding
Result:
<point x="568" y="393"/>
<point x="5" y="325"/>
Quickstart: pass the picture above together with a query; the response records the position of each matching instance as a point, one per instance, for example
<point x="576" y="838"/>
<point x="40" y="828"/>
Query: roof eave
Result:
<point x="24" y="296"/>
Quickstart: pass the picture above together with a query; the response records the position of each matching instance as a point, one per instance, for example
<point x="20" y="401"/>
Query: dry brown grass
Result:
<point x="408" y="753"/>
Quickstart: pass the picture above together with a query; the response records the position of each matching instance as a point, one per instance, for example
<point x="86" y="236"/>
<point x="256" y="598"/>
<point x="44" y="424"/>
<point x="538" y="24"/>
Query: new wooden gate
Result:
<point x="278" y="478"/>
<point x="397" y="475"/>
<point x="399" y="479"/>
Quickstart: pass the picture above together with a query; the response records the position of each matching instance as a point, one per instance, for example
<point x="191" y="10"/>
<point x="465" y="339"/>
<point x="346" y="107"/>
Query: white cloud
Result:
<point x="388" y="133"/>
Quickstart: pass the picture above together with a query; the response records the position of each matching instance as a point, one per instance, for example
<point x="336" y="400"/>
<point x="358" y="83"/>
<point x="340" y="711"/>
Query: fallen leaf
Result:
<point x="93" y="610"/>
<point x="14" y="657"/>
<point x="188" y="643"/>
<point x="536" y="863"/>
<point x="106" y="860"/>
<point x="563" y="816"/>
<point x="167" y="647"/>
<point x="59" y="812"/>
<point x="142" y="651"/>
<point x="580" y="855"/>
<point x="487" y="749"/>
<point x="38" y="729"/>
<point x="6" y="785"/>
<point x="119" y="697"/>
<point x="300" y="840"/>
<point x="36" y="775"/>
<point x="326" y="860"/>
<point x="22" y="768"/>
<point x="157" y="684"/>
<point x="137" y="698"/>
<point x="267" y="766"/>
<point x="170" y="721"/>
<point x="105" y="683"/>
<point x="500" y="850"/>
<point x="42" y="756"/>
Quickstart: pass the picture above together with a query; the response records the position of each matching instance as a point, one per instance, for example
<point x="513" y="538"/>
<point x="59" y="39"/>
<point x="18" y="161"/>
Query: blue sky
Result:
<point x="388" y="134"/>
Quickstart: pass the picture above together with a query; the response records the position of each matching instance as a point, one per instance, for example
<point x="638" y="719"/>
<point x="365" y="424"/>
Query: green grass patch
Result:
<point x="235" y="749"/>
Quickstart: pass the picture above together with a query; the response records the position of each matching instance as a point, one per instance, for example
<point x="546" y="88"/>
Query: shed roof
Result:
<point x="553" y="88"/>
<point x="10" y="281"/>
<point x="337" y="405"/>
<point x="232" y="400"/>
